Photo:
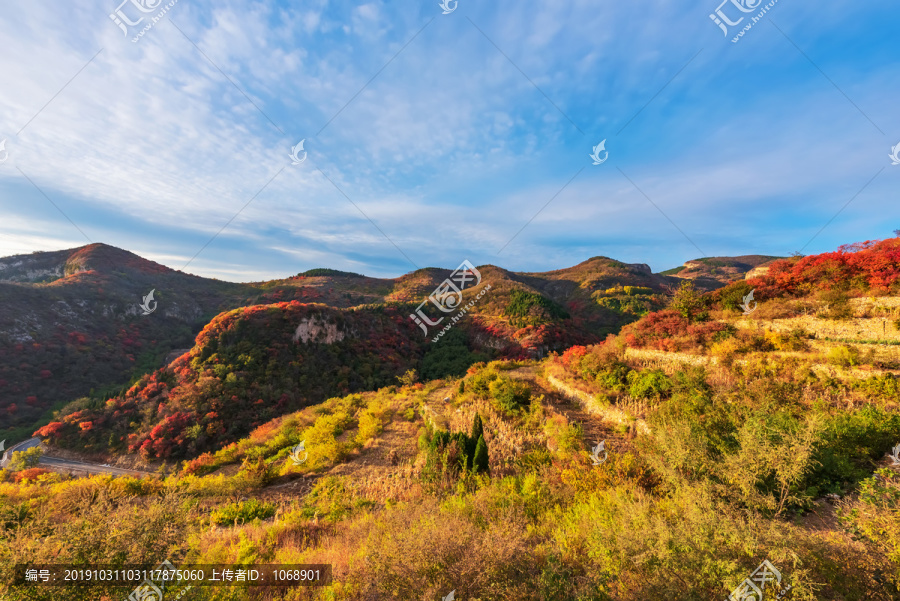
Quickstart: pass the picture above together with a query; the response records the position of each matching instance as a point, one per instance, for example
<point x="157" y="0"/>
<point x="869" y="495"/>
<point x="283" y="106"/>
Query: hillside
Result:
<point x="740" y="445"/>
<point x="710" y="271"/>
<point x="73" y="322"/>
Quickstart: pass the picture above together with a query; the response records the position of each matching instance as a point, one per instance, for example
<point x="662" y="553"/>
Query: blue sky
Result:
<point x="434" y="138"/>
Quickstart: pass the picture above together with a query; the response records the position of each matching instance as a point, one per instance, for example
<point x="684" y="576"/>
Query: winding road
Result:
<point x="69" y="465"/>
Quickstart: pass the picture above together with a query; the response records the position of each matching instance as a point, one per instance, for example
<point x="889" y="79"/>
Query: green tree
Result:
<point x="688" y="301"/>
<point x="480" y="461"/>
<point x="409" y="378"/>
<point x="477" y="428"/>
<point x="22" y="460"/>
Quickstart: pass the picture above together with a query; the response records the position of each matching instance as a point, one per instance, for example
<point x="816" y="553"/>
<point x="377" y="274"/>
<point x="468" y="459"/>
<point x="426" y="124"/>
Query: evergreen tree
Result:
<point x="477" y="429"/>
<point x="480" y="461"/>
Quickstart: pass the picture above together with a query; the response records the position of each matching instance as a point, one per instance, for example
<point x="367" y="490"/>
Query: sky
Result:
<point x="432" y="138"/>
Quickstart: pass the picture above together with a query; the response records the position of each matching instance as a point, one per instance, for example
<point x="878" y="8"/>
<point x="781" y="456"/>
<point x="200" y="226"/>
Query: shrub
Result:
<point x="648" y="384"/>
<point x="409" y="378"/>
<point x="731" y="297"/>
<point x="851" y="442"/>
<point x="688" y="301"/>
<point x="563" y="437"/>
<point x="726" y="350"/>
<point x="837" y="304"/>
<point x="795" y="340"/>
<point x="637" y="290"/>
<point x="843" y="356"/>
<point x="874" y="516"/>
<point x="370" y="426"/>
<point x="22" y="460"/>
<point x="480" y="382"/>
<point x="31" y="473"/>
<point x="243" y="512"/>
<point x="509" y="395"/>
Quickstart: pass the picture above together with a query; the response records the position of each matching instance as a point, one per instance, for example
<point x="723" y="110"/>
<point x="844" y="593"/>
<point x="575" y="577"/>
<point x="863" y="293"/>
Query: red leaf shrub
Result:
<point x="31" y="473"/>
<point x="667" y="330"/>
<point x="870" y="265"/>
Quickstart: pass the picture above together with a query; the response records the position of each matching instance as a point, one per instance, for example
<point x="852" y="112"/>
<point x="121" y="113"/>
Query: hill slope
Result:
<point x="71" y="320"/>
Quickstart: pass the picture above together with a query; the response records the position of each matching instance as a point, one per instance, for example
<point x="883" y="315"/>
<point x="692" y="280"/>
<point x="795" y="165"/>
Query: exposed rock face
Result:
<point x="756" y="272"/>
<point x="641" y="267"/>
<point x="318" y="330"/>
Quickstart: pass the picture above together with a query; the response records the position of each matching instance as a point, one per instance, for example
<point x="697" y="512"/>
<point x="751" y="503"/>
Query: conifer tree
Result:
<point x="480" y="461"/>
<point x="477" y="429"/>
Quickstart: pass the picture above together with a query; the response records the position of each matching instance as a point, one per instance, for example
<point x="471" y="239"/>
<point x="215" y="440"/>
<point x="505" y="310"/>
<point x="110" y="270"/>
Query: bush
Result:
<point x="22" y="460"/>
<point x="689" y="302"/>
<point x="837" y="304"/>
<point x="31" y="473"/>
<point x="648" y="384"/>
<point x="243" y="512"/>
<point x="509" y="395"/>
<point x="795" y="340"/>
<point x="731" y="297"/>
<point x="480" y="382"/>
<point x="370" y="426"/>
<point x="874" y="516"/>
<point x="726" y="350"/>
<point x="563" y="437"/>
<point x="637" y="291"/>
<point x="843" y="356"/>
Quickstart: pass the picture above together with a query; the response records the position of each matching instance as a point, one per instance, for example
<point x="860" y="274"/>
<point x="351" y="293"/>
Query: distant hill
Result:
<point x="248" y="365"/>
<point x="70" y="321"/>
<point x="72" y="326"/>
<point x="710" y="271"/>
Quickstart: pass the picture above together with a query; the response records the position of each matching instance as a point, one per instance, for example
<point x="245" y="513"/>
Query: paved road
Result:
<point x="67" y="464"/>
<point x="90" y="468"/>
<point x="22" y="446"/>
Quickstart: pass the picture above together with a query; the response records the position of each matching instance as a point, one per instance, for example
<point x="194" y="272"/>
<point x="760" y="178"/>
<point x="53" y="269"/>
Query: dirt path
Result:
<point x="595" y="426"/>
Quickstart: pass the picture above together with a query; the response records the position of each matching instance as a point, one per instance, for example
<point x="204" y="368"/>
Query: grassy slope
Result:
<point x="748" y="440"/>
<point x="86" y="356"/>
<point x="733" y="467"/>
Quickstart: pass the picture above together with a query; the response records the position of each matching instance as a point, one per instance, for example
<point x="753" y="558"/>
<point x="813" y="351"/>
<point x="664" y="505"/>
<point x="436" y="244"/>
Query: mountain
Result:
<point x="72" y="326"/>
<point x="554" y="478"/>
<point x="70" y="321"/>
<point x="712" y="271"/>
